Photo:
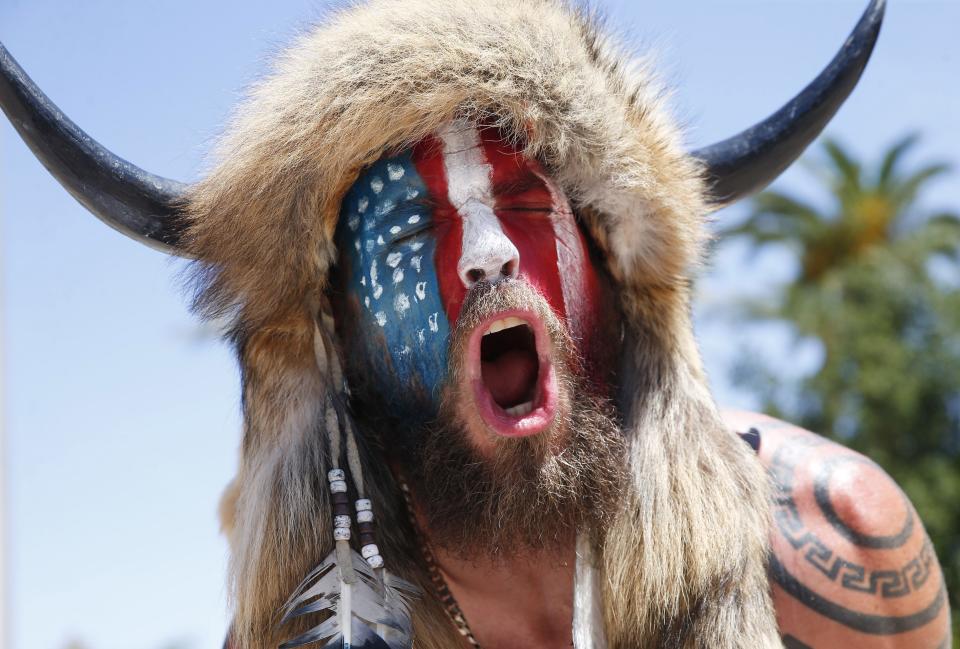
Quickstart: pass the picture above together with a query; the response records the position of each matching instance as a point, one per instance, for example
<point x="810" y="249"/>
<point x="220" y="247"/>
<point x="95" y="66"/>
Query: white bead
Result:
<point x="341" y="534"/>
<point x="376" y="561"/>
<point x="336" y="474"/>
<point x="341" y="521"/>
<point x="338" y="486"/>
<point x="364" y="516"/>
<point x="364" y="505"/>
<point x="369" y="550"/>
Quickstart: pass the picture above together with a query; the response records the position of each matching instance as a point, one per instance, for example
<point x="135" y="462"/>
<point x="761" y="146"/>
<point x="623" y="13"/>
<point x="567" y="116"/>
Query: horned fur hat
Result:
<point x="377" y="78"/>
<point x="382" y="77"/>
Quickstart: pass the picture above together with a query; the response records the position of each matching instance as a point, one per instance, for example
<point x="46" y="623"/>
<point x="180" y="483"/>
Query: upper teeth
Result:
<point x="504" y="323"/>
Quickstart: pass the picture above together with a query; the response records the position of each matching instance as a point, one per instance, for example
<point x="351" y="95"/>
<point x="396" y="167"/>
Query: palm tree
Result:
<point x="870" y="208"/>
<point x="888" y="326"/>
<point x="872" y="216"/>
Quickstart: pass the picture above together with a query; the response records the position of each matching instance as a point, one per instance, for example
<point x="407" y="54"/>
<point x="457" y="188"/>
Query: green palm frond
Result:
<point x="905" y="191"/>
<point x="848" y="170"/>
<point x="779" y="217"/>
<point x="938" y="236"/>
<point x="892" y="159"/>
<point x="864" y="213"/>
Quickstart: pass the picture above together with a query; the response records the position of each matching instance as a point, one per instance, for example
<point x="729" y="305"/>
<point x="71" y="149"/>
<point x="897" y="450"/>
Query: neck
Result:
<point x="524" y="600"/>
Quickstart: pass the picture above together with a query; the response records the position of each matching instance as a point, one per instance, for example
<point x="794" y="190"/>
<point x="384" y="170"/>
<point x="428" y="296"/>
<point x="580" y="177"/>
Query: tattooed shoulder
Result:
<point x="850" y="561"/>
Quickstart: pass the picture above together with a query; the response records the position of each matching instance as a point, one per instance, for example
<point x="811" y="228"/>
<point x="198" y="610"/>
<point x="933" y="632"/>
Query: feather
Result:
<point x="588" y="630"/>
<point x="362" y="606"/>
<point x="365" y="610"/>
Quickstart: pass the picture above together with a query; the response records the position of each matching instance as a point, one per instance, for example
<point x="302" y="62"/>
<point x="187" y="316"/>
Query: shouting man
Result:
<point x="455" y="244"/>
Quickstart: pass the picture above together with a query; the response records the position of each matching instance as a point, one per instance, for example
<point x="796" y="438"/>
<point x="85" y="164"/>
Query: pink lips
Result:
<point x="545" y="397"/>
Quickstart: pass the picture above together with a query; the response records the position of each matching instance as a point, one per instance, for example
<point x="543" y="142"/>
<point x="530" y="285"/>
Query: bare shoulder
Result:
<point x="851" y="565"/>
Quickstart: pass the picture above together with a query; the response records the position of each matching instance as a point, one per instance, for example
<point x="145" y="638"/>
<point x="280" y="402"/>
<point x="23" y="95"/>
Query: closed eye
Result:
<point x="412" y="233"/>
<point x="546" y="209"/>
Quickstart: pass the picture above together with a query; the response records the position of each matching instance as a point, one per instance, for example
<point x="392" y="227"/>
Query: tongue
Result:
<point x="510" y="378"/>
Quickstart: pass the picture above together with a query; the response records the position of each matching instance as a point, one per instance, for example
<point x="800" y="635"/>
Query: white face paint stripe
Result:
<point x="569" y="258"/>
<point x="484" y="245"/>
<point x="468" y="172"/>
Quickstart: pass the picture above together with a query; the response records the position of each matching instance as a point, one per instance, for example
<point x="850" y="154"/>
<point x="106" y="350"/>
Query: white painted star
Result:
<point x="401" y="303"/>
<point x="394" y="171"/>
<point x="385" y="207"/>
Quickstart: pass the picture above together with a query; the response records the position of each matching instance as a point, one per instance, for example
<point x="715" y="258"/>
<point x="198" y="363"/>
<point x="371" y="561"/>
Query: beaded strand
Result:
<point x="342" y="520"/>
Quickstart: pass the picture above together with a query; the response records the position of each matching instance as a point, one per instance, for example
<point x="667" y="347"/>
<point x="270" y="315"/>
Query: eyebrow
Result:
<point x="513" y="186"/>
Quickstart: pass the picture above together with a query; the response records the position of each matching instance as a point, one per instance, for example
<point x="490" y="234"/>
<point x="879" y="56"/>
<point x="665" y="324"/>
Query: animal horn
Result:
<point x="135" y="202"/>
<point x="752" y="159"/>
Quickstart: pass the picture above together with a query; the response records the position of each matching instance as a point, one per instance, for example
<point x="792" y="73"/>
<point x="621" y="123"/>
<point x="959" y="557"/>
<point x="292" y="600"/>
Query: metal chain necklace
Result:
<point x="440" y="588"/>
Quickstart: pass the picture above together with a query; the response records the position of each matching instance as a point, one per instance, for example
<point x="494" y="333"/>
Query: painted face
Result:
<point x="420" y="229"/>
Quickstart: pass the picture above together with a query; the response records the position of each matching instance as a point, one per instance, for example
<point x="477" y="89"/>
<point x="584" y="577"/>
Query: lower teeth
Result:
<point x="520" y="409"/>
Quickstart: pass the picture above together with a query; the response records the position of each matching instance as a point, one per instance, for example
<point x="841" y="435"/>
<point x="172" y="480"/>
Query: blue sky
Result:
<point x="122" y="424"/>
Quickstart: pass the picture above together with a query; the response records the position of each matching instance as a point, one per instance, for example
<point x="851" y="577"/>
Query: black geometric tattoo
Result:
<point x="848" y="574"/>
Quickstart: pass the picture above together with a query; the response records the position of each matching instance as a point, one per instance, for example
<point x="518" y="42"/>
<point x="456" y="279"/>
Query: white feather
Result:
<point x="356" y="600"/>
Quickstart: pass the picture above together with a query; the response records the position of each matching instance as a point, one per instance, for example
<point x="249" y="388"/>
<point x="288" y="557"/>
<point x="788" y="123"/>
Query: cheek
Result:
<point x="539" y="261"/>
<point x="579" y="285"/>
<point x="555" y="258"/>
<point x="587" y="308"/>
<point x="402" y="331"/>
<point x="399" y="336"/>
<point x="448" y="233"/>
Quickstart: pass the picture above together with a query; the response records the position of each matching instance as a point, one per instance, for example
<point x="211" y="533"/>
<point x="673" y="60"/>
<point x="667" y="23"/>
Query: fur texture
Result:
<point x="684" y="564"/>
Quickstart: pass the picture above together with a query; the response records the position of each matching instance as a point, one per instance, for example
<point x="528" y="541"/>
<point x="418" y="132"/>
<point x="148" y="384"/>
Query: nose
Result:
<point x="487" y="252"/>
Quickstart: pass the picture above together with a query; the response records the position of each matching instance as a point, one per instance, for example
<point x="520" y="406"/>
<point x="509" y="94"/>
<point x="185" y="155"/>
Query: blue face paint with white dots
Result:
<point x="387" y="256"/>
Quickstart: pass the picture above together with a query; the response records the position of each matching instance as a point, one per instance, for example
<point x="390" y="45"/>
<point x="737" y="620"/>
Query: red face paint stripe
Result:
<point x="446" y="224"/>
<point x="563" y="272"/>
<point x="530" y="231"/>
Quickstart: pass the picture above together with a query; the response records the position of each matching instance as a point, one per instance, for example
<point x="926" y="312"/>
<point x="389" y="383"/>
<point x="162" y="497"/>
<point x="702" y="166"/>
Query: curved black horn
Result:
<point x="749" y="161"/>
<point x="137" y="203"/>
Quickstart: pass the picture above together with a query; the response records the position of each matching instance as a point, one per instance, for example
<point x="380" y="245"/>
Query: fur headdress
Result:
<point x="683" y="564"/>
<point x="686" y="557"/>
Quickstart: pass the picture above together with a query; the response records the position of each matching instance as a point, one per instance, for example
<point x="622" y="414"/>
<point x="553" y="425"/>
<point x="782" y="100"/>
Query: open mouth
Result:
<point x="514" y="382"/>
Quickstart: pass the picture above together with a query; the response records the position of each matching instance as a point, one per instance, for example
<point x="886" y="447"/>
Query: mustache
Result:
<point x="485" y="299"/>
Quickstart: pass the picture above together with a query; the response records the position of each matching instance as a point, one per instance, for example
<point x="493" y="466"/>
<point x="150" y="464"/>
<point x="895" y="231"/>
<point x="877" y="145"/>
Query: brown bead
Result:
<point x="340" y="499"/>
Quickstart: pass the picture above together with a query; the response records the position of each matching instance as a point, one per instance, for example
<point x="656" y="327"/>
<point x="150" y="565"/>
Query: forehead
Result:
<point x="421" y="174"/>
